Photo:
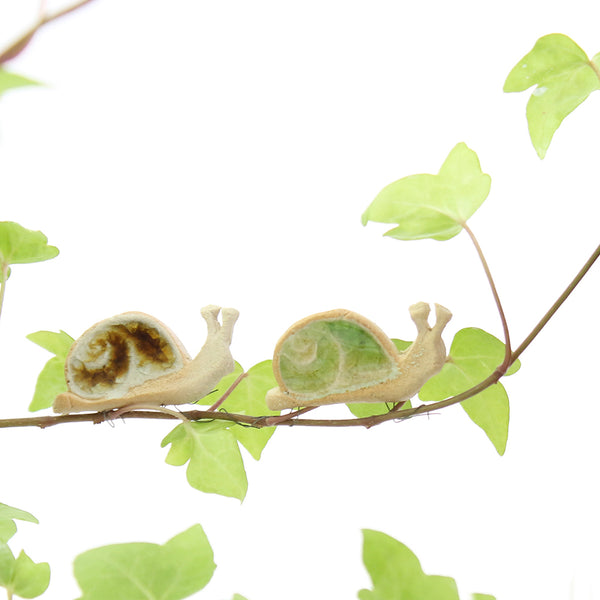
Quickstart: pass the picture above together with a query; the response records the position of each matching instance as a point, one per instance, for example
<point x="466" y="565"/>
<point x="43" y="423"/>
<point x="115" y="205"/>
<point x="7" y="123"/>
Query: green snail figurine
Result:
<point x="340" y="356"/>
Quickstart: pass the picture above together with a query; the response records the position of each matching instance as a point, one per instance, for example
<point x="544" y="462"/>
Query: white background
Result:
<point x="195" y="152"/>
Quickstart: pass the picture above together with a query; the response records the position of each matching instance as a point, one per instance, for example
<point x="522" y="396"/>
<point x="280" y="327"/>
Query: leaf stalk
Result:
<point x="507" y="352"/>
<point x="3" y="278"/>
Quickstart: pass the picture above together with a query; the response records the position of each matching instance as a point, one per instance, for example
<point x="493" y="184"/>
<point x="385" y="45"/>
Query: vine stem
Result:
<point x="507" y="349"/>
<point x="19" y="45"/>
<point x="232" y="387"/>
<point x="3" y="278"/>
<point x="595" y="67"/>
<point x="551" y="312"/>
<point x="269" y="421"/>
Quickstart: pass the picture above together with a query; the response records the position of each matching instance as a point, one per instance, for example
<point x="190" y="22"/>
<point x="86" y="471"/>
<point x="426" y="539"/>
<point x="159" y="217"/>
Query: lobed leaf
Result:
<point x="7" y="565"/>
<point x="370" y="409"/>
<point x="19" y="245"/>
<point x="473" y="356"/>
<point x="21" y="576"/>
<point x="58" y="343"/>
<point x="215" y="462"/>
<point x="51" y="380"/>
<point x="143" y="571"/>
<point x="30" y="579"/>
<point x="433" y="206"/>
<point x="564" y="77"/>
<point x="248" y="398"/>
<point x="7" y="524"/>
<point x="9" y="81"/>
<point x="396" y="572"/>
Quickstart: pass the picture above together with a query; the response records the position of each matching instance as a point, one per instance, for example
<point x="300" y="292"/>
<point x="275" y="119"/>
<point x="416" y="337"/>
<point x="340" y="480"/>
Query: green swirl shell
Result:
<point x="330" y="356"/>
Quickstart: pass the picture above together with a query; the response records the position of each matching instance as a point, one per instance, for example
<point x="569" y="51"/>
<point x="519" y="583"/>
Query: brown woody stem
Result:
<point x="18" y="46"/>
<point x="268" y="421"/>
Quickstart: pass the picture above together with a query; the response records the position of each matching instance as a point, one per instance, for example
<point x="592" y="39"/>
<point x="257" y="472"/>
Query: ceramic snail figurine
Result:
<point x="134" y="359"/>
<point x="340" y="356"/>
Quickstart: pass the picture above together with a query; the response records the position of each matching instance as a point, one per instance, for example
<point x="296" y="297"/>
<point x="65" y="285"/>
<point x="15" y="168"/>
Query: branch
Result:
<point x="544" y="320"/>
<point x="291" y="420"/>
<point x="17" y="47"/>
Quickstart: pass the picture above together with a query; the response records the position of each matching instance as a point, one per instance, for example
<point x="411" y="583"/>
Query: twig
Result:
<point x="17" y="47"/>
<point x="266" y="421"/>
<point x="544" y="320"/>
<point x="228" y="392"/>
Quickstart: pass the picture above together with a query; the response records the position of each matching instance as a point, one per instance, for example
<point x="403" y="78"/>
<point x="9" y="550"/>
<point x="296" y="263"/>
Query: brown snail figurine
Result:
<point x="134" y="359"/>
<point x="340" y="356"/>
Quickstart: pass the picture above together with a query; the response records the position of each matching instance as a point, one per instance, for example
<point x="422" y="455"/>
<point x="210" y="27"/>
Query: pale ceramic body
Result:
<point x="340" y="356"/>
<point x="134" y="359"/>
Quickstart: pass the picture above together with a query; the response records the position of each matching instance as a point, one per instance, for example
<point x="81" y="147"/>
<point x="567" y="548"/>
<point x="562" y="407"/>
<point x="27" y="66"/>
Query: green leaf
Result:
<point x="58" y="343"/>
<point x="396" y="572"/>
<point x="564" y="76"/>
<point x="9" y="81"/>
<point x="7" y="524"/>
<point x="433" y="206"/>
<point x="30" y="579"/>
<point x="7" y="565"/>
<point x="482" y="597"/>
<point x="248" y="398"/>
<point x="370" y="409"/>
<point x="19" y="245"/>
<point x="215" y="462"/>
<point x="51" y="380"/>
<point x="21" y="576"/>
<point x="7" y="530"/>
<point x="474" y="355"/>
<point x="143" y="571"/>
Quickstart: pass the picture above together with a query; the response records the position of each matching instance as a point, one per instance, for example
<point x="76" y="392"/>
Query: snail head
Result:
<point x="419" y="313"/>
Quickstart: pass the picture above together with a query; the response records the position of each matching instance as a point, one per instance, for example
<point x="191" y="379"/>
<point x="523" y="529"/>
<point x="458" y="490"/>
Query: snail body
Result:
<point x="134" y="359"/>
<point x="339" y="356"/>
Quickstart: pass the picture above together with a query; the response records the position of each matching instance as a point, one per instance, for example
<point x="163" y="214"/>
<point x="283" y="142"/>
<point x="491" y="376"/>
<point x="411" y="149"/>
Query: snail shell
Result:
<point x="340" y="356"/>
<point x="134" y="358"/>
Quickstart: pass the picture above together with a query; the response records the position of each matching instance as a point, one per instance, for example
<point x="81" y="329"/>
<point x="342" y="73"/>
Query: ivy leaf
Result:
<point x="19" y="245"/>
<point x="7" y="565"/>
<point x="7" y="523"/>
<point x="58" y="343"/>
<point x="474" y="355"/>
<point x="215" y="462"/>
<point x="396" y="572"/>
<point x="249" y="398"/>
<point x="21" y="576"/>
<point x="433" y="206"/>
<point x="564" y="77"/>
<point x="51" y="380"/>
<point x="222" y="386"/>
<point x="9" y="81"/>
<point x="30" y="579"/>
<point x="143" y="571"/>
<point x="370" y="409"/>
